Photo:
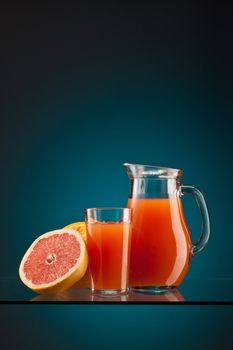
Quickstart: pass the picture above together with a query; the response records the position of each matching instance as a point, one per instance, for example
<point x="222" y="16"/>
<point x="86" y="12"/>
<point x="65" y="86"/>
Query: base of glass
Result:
<point x="152" y="289"/>
<point x="109" y="292"/>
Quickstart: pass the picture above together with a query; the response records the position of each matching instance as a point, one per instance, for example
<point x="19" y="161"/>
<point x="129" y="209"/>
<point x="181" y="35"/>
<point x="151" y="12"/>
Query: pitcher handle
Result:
<point x="205" y="232"/>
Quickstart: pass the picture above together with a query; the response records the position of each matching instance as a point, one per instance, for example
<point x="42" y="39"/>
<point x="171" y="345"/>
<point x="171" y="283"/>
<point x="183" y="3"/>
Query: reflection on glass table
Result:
<point x="218" y="290"/>
<point x="85" y="295"/>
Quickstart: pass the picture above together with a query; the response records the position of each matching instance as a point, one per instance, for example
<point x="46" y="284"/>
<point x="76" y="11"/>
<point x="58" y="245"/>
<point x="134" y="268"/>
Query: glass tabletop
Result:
<point x="192" y="291"/>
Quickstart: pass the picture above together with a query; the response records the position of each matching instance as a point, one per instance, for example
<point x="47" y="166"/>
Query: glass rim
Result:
<point x="107" y="208"/>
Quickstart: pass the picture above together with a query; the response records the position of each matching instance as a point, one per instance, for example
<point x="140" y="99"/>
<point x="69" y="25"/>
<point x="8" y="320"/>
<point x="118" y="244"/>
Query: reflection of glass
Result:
<point x="112" y="299"/>
<point x="108" y="242"/>
<point x="171" y="296"/>
<point x="161" y="247"/>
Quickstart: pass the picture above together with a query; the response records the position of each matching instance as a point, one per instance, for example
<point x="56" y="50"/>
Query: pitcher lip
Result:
<point x="159" y="171"/>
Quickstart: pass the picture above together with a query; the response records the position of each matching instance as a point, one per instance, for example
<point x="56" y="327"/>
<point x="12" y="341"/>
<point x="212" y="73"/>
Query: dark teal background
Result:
<point x="117" y="327"/>
<point x="84" y="90"/>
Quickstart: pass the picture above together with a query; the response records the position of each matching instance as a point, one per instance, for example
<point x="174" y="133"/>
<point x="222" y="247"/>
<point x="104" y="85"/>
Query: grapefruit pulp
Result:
<point x="54" y="261"/>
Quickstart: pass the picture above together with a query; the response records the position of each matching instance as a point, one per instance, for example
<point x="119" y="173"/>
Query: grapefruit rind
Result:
<point x="80" y="226"/>
<point x="67" y="280"/>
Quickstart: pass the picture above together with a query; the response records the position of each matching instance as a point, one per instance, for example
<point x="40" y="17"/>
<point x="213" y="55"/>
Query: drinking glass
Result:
<point x="108" y="243"/>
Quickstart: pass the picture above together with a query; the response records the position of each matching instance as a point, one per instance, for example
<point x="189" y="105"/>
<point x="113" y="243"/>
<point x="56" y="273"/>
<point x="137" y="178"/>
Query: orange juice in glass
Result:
<point x="108" y="244"/>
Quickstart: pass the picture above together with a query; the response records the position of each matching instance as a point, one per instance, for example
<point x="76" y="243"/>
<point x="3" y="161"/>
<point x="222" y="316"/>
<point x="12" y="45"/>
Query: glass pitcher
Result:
<point x="161" y="247"/>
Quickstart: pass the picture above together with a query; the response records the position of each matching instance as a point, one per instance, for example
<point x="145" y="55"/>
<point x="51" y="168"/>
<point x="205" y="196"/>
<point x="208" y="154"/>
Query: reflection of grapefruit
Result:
<point x="54" y="262"/>
<point x="81" y="228"/>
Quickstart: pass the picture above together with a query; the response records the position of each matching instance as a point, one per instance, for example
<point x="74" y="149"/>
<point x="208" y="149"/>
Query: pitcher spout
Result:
<point x="145" y="171"/>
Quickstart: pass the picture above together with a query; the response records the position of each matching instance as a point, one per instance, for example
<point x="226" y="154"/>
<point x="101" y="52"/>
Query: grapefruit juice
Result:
<point x="108" y="246"/>
<point x="160" y="244"/>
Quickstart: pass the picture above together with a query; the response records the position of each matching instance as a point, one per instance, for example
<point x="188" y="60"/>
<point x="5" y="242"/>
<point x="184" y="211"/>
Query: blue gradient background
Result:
<point x="84" y="91"/>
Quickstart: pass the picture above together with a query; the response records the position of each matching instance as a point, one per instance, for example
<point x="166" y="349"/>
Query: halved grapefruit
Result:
<point x="54" y="261"/>
<point x="80" y="227"/>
